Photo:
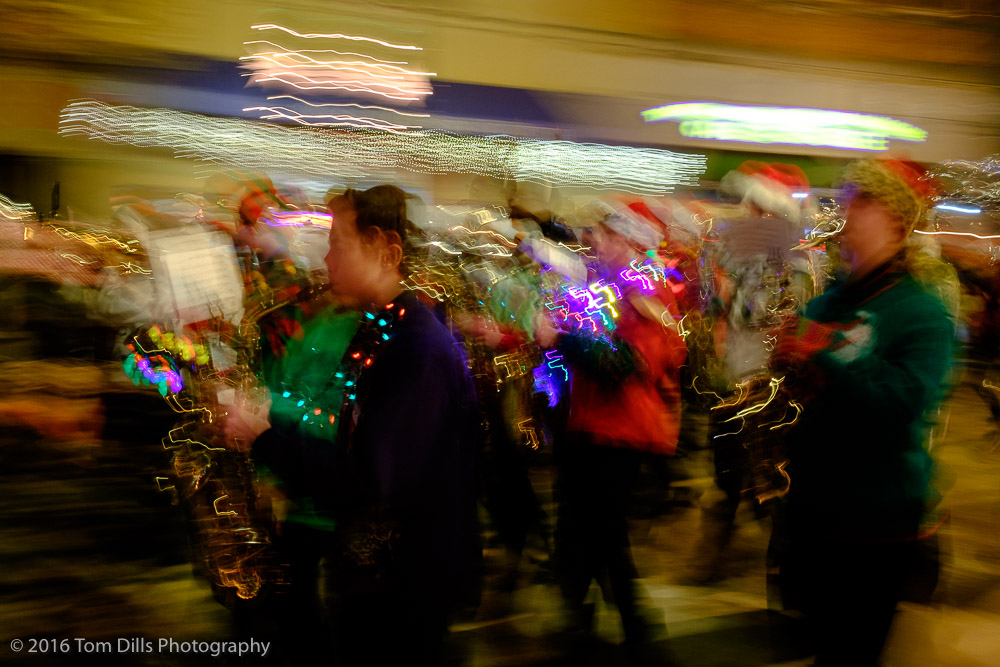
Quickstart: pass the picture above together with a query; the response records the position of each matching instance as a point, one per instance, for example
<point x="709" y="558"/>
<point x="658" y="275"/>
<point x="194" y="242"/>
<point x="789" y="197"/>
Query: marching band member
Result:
<point x="872" y="355"/>
<point x="398" y="481"/>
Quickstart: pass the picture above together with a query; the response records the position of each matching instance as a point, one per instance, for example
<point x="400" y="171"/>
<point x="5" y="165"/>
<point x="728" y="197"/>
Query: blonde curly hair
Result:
<point x="904" y="188"/>
<point x="899" y="186"/>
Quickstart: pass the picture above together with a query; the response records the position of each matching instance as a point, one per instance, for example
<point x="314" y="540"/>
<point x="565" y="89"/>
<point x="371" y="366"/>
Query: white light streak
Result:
<point x="335" y="121"/>
<point x="391" y="71"/>
<point x="349" y="104"/>
<point x="339" y="53"/>
<point x="959" y="209"/>
<point x="308" y="74"/>
<point x="336" y="35"/>
<point x="351" y="85"/>
<point x="372" y="154"/>
<point x="11" y="210"/>
<point x="978" y="236"/>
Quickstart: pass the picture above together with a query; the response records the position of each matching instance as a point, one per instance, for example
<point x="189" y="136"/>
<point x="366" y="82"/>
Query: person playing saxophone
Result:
<point x="871" y="357"/>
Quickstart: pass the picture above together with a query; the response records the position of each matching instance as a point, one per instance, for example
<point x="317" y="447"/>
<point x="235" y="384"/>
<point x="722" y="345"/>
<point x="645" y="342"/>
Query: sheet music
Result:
<point x="197" y="274"/>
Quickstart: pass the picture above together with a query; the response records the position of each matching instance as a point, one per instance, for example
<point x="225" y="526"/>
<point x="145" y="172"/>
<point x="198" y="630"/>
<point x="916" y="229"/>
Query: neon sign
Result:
<point x="785" y="125"/>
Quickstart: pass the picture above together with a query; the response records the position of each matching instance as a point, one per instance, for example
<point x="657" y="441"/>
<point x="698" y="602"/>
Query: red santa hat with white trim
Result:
<point x="770" y="187"/>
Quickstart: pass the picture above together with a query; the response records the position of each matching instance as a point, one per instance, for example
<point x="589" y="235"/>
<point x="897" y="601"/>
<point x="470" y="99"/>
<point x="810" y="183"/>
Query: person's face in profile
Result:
<point x="612" y="248"/>
<point x="870" y="232"/>
<point x="353" y="259"/>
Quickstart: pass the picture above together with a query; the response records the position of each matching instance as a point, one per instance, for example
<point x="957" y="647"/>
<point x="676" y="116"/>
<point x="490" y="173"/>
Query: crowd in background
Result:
<point x="374" y="397"/>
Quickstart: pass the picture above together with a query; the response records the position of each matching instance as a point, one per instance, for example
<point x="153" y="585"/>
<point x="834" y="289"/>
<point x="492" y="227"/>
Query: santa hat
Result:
<point x="618" y="217"/>
<point x="769" y="186"/>
<point x="902" y="186"/>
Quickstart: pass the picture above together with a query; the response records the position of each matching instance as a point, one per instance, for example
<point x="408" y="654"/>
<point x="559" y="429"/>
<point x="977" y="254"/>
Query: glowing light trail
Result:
<point x="785" y="125"/>
<point x="349" y="104"/>
<point x="336" y="35"/>
<point x="339" y="53"/>
<point x="369" y="154"/>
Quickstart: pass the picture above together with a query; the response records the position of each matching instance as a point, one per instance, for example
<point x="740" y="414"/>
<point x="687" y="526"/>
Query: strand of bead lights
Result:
<point x="372" y="154"/>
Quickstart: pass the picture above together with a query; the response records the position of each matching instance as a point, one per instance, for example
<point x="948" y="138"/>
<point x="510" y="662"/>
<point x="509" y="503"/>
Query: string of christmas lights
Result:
<point x="372" y="154"/>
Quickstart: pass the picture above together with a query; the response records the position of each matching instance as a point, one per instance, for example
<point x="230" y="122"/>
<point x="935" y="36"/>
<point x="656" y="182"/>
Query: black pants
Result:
<point x="848" y="592"/>
<point x="392" y="627"/>
<point x="290" y="613"/>
<point x="509" y="496"/>
<point x="595" y="483"/>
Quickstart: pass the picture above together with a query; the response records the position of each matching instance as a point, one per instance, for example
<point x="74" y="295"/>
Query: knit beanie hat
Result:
<point x="903" y="187"/>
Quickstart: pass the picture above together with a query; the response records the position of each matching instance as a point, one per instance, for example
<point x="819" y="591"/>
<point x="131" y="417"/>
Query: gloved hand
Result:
<point x="799" y="340"/>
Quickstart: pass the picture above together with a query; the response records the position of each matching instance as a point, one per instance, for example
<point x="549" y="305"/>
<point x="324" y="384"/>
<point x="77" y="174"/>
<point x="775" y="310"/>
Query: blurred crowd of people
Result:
<point x="363" y="386"/>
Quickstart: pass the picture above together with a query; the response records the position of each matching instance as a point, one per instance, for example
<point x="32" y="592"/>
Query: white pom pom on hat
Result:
<point x="621" y="219"/>
<point x="769" y="186"/>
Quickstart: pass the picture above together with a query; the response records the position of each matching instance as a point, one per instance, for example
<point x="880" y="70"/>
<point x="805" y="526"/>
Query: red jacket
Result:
<point x="644" y="410"/>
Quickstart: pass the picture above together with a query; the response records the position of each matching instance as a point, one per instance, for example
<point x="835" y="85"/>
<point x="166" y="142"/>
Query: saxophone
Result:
<point x="460" y="273"/>
<point x="199" y="375"/>
<point x="764" y="406"/>
<point x="760" y="412"/>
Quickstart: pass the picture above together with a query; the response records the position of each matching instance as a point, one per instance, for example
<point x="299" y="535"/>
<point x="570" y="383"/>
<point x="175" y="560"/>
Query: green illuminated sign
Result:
<point x="784" y="125"/>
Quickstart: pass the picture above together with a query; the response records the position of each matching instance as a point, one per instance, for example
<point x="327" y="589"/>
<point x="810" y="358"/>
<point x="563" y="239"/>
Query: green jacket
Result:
<point x="302" y="380"/>
<point x="859" y="468"/>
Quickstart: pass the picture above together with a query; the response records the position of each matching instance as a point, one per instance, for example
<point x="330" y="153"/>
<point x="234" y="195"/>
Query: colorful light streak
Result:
<point x="630" y="275"/>
<point x="678" y="325"/>
<point x="163" y="376"/>
<point x="554" y="361"/>
<point x="515" y="364"/>
<point x="98" y="240"/>
<point x="798" y="411"/>
<point x="591" y="304"/>
<point x="611" y="295"/>
<point x="500" y="237"/>
<point x="300" y="219"/>
<point x="493" y="277"/>
<point x="785" y="125"/>
<point x="218" y="512"/>
<point x="174" y="403"/>
<point x="526" y="426"/>
<point x="646" y="273"/>
<point x="187" y="441"/>
<point x="773" y="385"/>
